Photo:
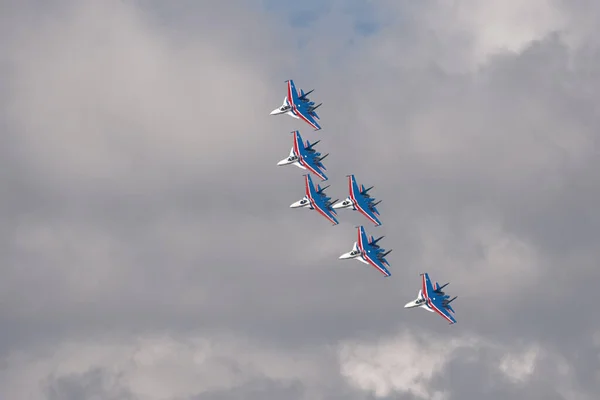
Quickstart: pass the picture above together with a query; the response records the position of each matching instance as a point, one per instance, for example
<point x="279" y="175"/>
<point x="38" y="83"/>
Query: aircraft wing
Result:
<point x="302" y="111"/>
<point x="319" y="201"/>
<point x="362" y="203"/>
<point x="369" y="252"/>
<point x="292" y="93"/>
<point x="299" y="108"/>
<point x="308" y="160"/>
<point x="434" y="301"/>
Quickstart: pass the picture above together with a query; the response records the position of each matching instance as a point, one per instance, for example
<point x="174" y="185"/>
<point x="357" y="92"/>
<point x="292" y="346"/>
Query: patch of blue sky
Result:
<point x="304" y="14"/>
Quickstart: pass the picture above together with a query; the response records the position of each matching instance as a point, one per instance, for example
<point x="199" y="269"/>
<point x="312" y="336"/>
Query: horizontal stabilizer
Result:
<point x="439" y="288"/>
<point x="320" y="189"/>
<point x="377" y="240"/>
<point x="322" y="158"/>
<point x="306" y="94"/>
<point x="309" y="145"/>
<point x="364" y="191"/>
<point x="450" y="301"/>
<point x="374" y="204"/>
<point x="386" y="253"/>
<point x="314" y="108"/>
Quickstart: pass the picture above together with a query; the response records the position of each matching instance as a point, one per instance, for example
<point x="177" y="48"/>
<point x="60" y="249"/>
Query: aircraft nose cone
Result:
<point x="274" y="112"/>
<point x="282" y="162"/>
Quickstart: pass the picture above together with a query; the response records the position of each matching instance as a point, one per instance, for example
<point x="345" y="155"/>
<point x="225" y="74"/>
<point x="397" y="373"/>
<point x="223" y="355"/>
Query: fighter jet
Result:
<point x="304" y="156"/>
<point x="367" y="250"/>
<point x="315" y="199"/>
<point x="433" y="299"/>
<point x="360" y="200"/>
<point x="299" y="106"/>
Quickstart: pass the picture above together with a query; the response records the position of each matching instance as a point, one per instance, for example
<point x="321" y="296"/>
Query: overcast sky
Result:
<point x="148" y="251"/>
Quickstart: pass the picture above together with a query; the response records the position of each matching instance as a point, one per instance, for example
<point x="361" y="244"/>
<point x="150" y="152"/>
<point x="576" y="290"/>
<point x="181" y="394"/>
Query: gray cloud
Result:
<point x="91" y="384"/>
<point x="142" y="197"/>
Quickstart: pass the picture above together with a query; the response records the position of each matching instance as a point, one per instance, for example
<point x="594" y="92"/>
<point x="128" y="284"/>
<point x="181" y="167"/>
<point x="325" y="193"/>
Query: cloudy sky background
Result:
<point x="148" y="248"/>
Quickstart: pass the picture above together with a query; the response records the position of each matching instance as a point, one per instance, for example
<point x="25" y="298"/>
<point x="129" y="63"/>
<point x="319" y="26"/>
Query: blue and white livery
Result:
<point x="433" y="299"/>
<point x="359" y="200"/>
<point x="367" y="250"/>
<point x="316" y="199"/>
<point x="299" y="106"/>
<point x="304" y="156"/>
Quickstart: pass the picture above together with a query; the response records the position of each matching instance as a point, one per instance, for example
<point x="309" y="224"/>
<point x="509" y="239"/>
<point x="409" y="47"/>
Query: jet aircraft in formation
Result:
<point x="305" y="156"/>
<point x="365" y="249"/>
<point x="433" y="299"/>
<point x="360" y="200"/>
<point x="316" y="199"/>
<point x="299" y="106"/>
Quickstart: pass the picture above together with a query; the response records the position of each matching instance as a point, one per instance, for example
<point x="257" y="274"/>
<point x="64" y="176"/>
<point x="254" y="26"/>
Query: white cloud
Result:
<point x="502" y="26"/>
<point x="519" y="366"/>
<point x="461" y="35"/>
<point x="102" y="91"/>
<point x="160" y="367"/>
<point x="412" y="363"/>
<point x="405" y="364"/>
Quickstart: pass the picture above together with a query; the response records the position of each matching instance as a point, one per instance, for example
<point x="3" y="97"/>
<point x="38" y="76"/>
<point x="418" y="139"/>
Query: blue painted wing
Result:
<point x="372" y="254"/>
<point x="436" y="301"/>
<point x="362" y="201"/>
<point x="308" y="157"/>
<point x="319" y="200"/>
<point x="300" y="108"/>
